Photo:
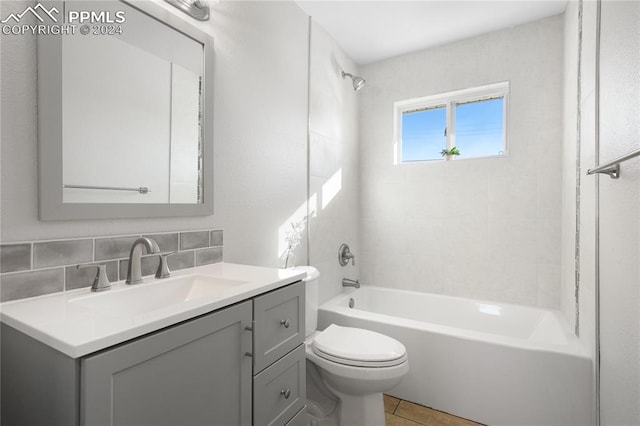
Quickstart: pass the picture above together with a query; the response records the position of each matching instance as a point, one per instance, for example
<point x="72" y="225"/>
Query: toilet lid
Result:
<point x="358" y="347"/>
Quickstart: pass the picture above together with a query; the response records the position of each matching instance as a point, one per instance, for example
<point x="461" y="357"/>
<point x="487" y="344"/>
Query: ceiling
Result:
<point x="370" y="31"/>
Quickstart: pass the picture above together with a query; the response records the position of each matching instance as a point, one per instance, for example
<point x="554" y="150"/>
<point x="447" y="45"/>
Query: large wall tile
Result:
<point x="113" y="248"/>
<point x="467" y="217"/>
<point x="60" y="253"/>
<point x="32" y="283"/>
<point x="193" y="240"/>
<point x="15" y="257"/>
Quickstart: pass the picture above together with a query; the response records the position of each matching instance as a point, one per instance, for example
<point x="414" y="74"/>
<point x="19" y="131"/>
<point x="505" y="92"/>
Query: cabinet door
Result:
<point x="279" y="324"/>
<point x="195" y="373"/>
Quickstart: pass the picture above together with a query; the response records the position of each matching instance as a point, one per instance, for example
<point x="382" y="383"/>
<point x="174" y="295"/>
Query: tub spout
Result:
<point x="346" y="282"/>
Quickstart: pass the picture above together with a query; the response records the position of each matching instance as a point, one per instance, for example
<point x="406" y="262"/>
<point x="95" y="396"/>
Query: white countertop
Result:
<point x="77" y="331"/>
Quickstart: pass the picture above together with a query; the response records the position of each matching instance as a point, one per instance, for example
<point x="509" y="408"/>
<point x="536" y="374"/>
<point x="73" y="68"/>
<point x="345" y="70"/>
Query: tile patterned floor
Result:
<point x="405" y="413"/>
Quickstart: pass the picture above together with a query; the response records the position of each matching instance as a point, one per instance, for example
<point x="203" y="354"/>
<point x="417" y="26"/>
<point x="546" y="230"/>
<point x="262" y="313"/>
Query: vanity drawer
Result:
<point x="278" y="324"/>
<point x="279" y="392"/>
<point x="299" y="419"/>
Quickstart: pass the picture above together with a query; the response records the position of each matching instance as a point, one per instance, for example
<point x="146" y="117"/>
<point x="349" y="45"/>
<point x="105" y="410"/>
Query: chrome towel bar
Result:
<point x="612" y="168"/>
<point x="142" y="189"/>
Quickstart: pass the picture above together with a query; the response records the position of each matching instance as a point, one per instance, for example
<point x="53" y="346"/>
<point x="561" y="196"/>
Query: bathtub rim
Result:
<point x="573" y="347"/>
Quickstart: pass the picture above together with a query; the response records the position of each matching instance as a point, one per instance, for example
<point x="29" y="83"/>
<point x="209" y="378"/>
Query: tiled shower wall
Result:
<point x="480" y="228"/>
<point x="333" y="163"/>
<point x="35" y="268"/>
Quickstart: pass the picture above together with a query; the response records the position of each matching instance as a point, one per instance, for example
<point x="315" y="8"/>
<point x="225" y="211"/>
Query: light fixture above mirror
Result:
<point x="197" y="9"/>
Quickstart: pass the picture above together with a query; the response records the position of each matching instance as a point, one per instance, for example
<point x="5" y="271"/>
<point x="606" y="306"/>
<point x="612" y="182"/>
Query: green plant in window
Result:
<point x="452" y="151"/>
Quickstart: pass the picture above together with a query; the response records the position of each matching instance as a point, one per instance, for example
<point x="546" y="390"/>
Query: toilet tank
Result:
<point x="311" y="297"/>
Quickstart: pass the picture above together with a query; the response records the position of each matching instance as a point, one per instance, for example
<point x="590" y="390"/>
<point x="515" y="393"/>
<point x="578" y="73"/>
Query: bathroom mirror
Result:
<point x="125" y="103"/>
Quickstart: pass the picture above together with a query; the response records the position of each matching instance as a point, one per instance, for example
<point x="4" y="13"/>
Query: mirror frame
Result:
<point x="51" y="206"/>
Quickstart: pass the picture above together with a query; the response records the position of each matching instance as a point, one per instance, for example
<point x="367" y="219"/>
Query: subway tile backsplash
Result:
<point x="35" y="268"/>
<point x="208" y="255"/>
<point x="113" y="247"/>
<point x="216" y="238"/>
<point x="193" y="240"/>
<point x="31" y="283"/>
<point x="182" y="260"/>
<point x="15" y="257"/>
<point x="166" y="242"/>
<point x="55" y="253"/>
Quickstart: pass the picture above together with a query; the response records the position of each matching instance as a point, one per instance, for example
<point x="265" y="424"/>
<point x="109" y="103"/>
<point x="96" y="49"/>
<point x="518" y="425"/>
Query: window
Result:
<point x="472" y="120"/>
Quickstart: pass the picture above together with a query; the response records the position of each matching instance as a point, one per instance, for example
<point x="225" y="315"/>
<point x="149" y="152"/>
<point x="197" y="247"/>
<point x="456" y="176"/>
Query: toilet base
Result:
<point x="361" y="410"/>
<point x="328" y="407"/>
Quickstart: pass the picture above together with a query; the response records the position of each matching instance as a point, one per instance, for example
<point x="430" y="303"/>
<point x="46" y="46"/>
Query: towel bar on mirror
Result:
<point x="142" y="189"/>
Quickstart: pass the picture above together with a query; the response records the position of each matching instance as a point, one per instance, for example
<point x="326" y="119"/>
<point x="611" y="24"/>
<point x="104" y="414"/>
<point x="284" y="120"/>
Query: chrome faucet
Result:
<point x="346" y="282"/>
<point x="134" y="270"/>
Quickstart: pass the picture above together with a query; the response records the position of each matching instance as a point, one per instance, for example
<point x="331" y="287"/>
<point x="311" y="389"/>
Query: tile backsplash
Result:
<point x="35" y="268"/>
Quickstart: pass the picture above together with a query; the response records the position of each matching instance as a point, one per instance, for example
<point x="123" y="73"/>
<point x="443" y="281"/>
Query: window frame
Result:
<point x="450" y="100"/>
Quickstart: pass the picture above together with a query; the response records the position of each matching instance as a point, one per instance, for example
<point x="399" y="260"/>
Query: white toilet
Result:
<point x="355" y="365"/>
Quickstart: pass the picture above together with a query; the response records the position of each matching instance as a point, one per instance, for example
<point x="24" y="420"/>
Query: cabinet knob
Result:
<point x="285" y="393"/>
<point x="285" y="323"/>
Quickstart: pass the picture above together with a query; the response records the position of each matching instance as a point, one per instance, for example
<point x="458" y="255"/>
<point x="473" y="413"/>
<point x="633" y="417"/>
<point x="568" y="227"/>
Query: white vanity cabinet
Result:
<point x="239" y="365"/>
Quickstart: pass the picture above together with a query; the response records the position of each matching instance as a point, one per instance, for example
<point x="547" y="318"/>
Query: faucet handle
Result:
<point x="163" y="267"/>
<point x="345" y="255"/>
<point x="100" y="282"/>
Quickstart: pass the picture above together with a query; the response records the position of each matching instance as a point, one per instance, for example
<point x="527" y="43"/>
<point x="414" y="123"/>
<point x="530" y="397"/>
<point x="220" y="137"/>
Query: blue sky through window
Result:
<point x="479" y="128"/>
<point x="423" y="134"/>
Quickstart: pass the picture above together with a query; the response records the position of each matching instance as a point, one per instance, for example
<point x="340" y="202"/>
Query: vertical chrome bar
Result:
<point x="576" y="271"/>
<point x="597" y="224"/>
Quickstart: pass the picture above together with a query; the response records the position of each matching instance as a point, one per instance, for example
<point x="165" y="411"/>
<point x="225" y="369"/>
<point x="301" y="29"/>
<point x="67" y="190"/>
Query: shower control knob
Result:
<point x="345" y="255"/>
<point x="285" y="323"/>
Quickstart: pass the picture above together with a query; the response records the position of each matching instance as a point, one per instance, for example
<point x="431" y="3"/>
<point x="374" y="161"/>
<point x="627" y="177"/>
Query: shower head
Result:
<point x="358" y="82"/>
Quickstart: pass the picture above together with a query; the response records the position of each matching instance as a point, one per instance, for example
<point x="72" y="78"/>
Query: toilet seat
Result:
<point x="358" y="347"/>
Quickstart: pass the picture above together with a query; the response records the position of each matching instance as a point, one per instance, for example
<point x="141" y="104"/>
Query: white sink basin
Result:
<point x="160" y="294"/>
<point x="78" y="322"/>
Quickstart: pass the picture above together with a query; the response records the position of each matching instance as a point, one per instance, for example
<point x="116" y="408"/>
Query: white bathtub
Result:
<point x="497" y="364"/>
